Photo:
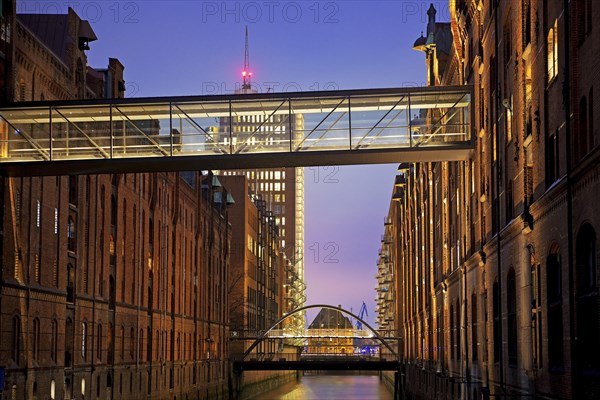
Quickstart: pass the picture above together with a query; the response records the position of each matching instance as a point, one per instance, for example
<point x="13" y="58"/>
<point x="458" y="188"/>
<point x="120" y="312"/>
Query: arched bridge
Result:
<point x="385" y="358"/>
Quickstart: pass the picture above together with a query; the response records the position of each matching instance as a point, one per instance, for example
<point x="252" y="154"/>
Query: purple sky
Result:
<point x="197" y="47"/>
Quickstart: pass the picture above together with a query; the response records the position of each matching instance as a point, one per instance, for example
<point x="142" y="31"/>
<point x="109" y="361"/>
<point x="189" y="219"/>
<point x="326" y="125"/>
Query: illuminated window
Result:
<point x="552" y="49"/>
<point x="509" y="124"/>
<point x="71" y="235"/>
<point x="38" y="213"/>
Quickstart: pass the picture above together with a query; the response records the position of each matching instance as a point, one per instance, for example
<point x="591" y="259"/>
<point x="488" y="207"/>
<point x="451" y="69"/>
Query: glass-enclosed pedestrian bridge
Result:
<point x="236" y="131"/>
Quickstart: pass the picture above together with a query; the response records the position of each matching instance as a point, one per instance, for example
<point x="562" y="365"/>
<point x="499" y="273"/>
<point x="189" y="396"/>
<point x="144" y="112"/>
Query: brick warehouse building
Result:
<point x="494" y="260"/>
<point x="105" y="290"/>
<point x="256" y="284"/>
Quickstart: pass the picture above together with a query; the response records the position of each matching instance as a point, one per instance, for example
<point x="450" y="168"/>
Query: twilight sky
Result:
<point x="192" y="47"/>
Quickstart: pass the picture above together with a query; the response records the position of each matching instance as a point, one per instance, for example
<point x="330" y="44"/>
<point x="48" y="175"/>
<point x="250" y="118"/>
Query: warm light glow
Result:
<point x="243" y="73"/>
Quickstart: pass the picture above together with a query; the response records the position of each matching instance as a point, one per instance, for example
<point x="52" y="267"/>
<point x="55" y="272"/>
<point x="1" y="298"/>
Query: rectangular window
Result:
<point x="552" y="49"/>
<point x="509" y="124"/>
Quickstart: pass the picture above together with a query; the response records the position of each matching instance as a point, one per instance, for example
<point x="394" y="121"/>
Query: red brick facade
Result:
<point x="495" y="259"/>
<point x="113" y="286"/>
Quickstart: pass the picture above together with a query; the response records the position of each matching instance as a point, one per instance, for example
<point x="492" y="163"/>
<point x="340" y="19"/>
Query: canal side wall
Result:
<point x="255" y="383"/>
<point x="387" y="378"/>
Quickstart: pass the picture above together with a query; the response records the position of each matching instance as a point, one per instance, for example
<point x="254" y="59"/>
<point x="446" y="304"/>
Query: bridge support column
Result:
<point x="237" y="385"/>
<point x="396" y="385"/>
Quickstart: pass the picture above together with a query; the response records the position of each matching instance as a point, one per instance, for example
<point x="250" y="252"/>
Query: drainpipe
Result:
<point x="567" y="102"/>
<point x="499" y="248"/>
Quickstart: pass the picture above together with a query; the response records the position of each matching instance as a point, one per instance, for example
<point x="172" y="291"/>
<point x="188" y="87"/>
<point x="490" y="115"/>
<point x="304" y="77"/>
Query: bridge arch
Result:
<point x="263" y="336"/>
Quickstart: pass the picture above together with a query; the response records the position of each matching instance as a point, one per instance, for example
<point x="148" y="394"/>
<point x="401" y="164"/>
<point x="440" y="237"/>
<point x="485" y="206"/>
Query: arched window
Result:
<point x="113" y="210"/>
<point x="151" y="233"/>
<point x="111" y="292"/>
<point x="141" y="345"/>
<point x="458" y="335"/>
<point x="112" y="250"/>
<point x="496" y="320"/>
<point x="581" y="136"/>
<point x="451" y="332"/>
<point x="71" y="235"/>
<point x="70" y="283"/>
<point x="16" y="339"/>
<point x="73" y="192"/>
<point x="83" y="340"/>
<point x="109" y="343"/>
<point x="131" y="342"/>
<point x="555" y="316"/>
<point x="99" y="343"/>
<point x="124" y="212"/>
<point x="157" y="345"/>
<point x="149" y="349"/>
<point x="35" y="339"/>
<point x="54" y="341"/>
<point x="588" y="351"/>
<point x="68" y="340"/>
<point x="80" y="78"/>
<point x="122" y="342"/>
<point x="511" y="309"/>
<point x="474" y="337"/>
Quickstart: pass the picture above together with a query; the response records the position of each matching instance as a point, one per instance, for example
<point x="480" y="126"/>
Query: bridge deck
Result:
<point x="316" y="365"/>
<point x="236" y="131"/>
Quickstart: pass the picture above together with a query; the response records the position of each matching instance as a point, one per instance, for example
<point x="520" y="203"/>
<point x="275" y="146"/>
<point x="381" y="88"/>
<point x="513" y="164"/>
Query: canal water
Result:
<point x="343" y="387"/>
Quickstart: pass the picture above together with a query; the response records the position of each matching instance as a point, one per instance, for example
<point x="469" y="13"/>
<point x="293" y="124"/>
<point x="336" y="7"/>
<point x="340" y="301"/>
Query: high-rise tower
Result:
<point x="282" y="189"/>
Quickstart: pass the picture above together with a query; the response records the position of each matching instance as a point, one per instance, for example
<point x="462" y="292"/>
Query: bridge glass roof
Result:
<point x="241" y="131"/>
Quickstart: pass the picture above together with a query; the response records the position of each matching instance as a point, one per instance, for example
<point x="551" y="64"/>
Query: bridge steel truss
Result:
<point x="207" y="132"/>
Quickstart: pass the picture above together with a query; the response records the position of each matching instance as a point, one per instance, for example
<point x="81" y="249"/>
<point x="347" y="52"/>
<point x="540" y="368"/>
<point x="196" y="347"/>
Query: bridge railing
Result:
<point x="237" y="334"/>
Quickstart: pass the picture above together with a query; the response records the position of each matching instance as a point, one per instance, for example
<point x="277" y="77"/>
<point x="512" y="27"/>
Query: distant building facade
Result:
<point x="112" y="286"/>
<point x="495" y="260"/>
<point x="257" y="272"/>
<point x="336" y="331"/>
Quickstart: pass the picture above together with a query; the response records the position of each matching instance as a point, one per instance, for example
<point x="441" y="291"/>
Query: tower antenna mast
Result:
<point x="246" y="73"/>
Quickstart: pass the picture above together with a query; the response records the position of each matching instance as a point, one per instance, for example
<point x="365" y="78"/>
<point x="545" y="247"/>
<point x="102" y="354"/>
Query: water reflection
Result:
<point x="345" y="387"/>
